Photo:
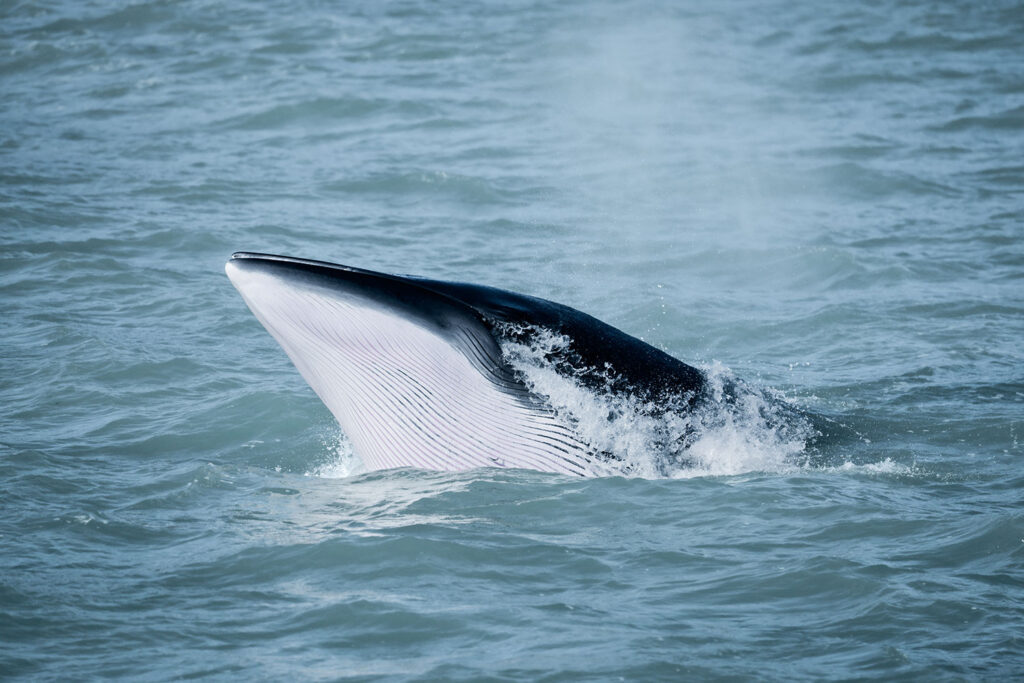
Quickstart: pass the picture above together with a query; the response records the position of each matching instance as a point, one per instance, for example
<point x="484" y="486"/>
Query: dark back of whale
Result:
<point x="600" y="355"/>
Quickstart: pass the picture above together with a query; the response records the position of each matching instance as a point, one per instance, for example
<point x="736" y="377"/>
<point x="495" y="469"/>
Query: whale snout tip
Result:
<point x="245" y="268"/>
<point x="235" y="268"/>
<point x="238" y="261"/>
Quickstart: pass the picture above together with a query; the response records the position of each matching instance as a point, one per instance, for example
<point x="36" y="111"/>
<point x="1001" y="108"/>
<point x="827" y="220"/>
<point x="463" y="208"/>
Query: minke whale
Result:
<point x="414" y="372"/>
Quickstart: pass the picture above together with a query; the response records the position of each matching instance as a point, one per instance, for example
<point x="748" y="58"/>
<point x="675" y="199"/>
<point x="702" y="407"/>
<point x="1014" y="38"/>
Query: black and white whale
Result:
<point x="414" y="372"/>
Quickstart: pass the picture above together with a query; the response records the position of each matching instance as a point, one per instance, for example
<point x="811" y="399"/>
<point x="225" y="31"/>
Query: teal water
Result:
<point x="827" y="200"/>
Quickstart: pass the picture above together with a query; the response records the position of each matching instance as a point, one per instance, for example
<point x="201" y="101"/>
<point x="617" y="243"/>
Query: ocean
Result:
<point x="825" y="200"/>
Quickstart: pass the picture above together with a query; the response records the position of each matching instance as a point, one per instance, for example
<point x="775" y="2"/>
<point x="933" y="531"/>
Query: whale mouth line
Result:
<point x="258" y="256"/>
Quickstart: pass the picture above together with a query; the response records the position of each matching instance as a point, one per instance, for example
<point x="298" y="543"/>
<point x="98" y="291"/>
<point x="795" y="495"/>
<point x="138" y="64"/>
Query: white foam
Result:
<point x="343" y="461"/>
<point x="887" y="466"/>
<point x="746" y="433"/>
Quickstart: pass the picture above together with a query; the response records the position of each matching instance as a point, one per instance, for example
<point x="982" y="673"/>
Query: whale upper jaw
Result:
<point x="414" y="376"/>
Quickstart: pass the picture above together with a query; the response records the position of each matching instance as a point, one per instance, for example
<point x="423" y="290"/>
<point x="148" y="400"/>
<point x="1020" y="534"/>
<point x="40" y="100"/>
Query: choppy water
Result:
<point x="826" y="199"/>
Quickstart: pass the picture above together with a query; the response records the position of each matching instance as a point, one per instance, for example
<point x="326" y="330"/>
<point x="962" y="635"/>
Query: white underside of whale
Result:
<point x="403" y="393"/>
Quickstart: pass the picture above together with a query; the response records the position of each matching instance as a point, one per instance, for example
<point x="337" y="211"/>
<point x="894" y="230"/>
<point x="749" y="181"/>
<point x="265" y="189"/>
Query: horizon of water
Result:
<point x="824" y="201"/>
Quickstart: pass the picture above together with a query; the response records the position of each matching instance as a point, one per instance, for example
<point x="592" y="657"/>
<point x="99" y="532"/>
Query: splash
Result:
<point x="733" y="430"/>
<point x="341" y="461"/>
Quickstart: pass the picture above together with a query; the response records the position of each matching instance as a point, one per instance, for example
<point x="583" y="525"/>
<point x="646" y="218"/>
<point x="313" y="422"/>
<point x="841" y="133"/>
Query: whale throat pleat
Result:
<point x="408" y="391"/>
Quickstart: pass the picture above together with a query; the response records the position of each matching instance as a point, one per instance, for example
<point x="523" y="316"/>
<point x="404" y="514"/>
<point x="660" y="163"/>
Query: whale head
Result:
<point x="424" y="373"/>
<point x="414" y="376"/>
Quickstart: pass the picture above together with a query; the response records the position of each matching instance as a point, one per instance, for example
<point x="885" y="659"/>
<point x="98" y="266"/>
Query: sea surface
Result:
<point x="824" y="199"/>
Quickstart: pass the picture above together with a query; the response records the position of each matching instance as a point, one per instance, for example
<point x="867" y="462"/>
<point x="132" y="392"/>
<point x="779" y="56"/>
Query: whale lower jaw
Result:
<point x="413" y="377"/>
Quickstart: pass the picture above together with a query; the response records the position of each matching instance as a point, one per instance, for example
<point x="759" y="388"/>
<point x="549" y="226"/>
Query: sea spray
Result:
<point x="730" y="428"/>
